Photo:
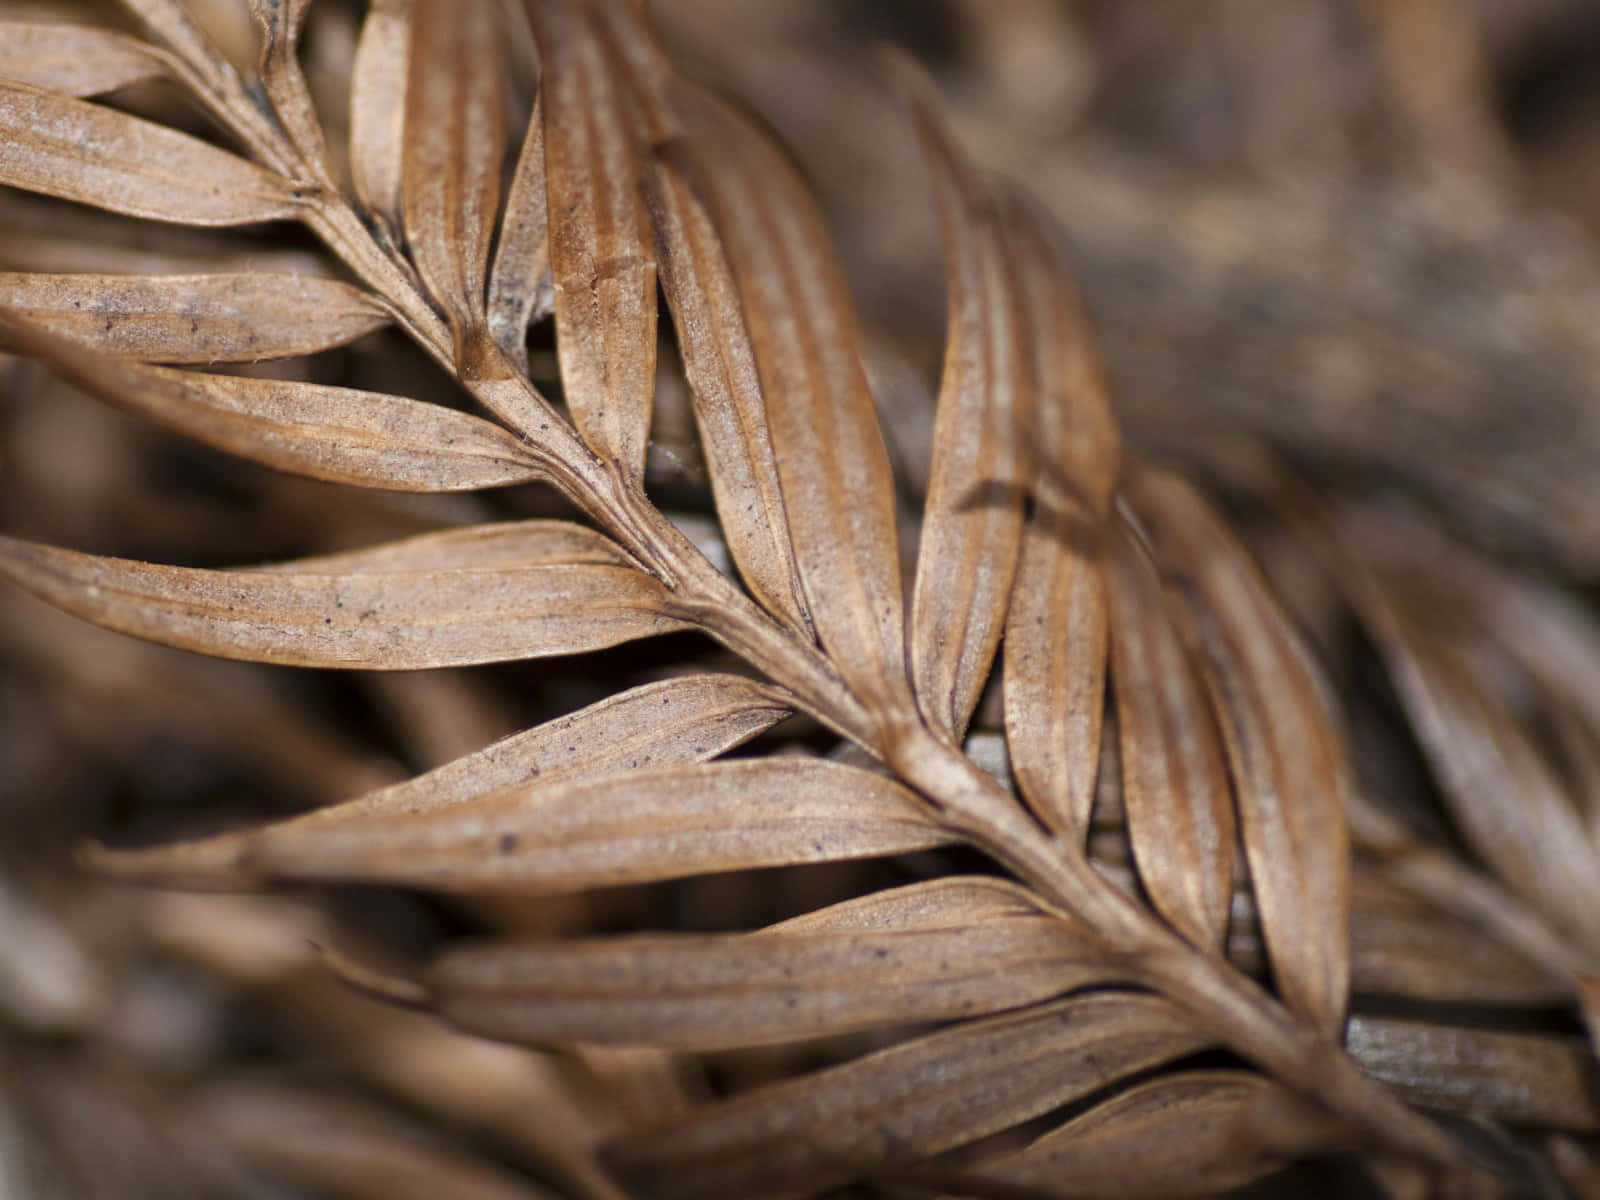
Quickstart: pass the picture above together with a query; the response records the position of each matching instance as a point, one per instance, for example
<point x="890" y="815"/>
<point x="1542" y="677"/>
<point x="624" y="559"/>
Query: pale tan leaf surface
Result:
<point x="70" y="148"/>
<point x="1057" y="637"/>
<point x="833" y="467"/>
<point x="496" y="544"/>
<point x="349" y="1149"/>
<point x="1285" y="748"/>
<point x="601" y="253"/>
<point x="281" y="23"/>
<point x="393" y="620"/>
<point x="378" y="78"/>
<point x="662" y="823"/>
<point x="1185" y="1134"/>
<point x="1174" y="779"/>
<point x="331" y="433"/>
<point x="714" y="342"/>
<point x="929" y="952"/>
<point x="520" y="286"/>
<point x="78" y="60"/>
<point x="1515" y="1077"/>
<point x="982" y="465"/>
<point x="455" y="135"/>
<point x="904" y="1103"/>
<point x="195" y="318"/>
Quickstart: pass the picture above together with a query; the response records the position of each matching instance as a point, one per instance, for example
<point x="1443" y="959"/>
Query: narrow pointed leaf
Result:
<point x="454" y="142"/>
<point x="832" y="464"/>
<point x="78" y="60"/>
<point x="281" y="22"/>
<point x="75" y="150"/>
<point x="394" y="619"/>
<point x="972" y="521"/>
<point x="1285" y="748"/>
<point x="714" y="341"/>
<point x="601" y="254"/>
<point x="905" y="1103"/>
<point x="195" y="318"/>
<point x="929" y="952"/>
<point x="661" y="823"/>
<point x="520" y="287"/>
<point x="1181" y="1135"/>
<point x="1057" y="638"/>
<point x="378" y="78"/>
<point x="337" y="434"/>
<point x="1174" y="781"/>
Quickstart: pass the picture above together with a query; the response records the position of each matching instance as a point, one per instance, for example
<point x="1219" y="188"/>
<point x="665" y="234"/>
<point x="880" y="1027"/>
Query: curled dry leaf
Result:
<point x="928" y="952"/>
<point x="281" y="22"/>
<point x="332" y="433"/>
<point x="195" y="318"/>
<point x="77" y="60"/>
<point x="972" y="521"/>
<point x="601" y="254"/>
<point x="454" y="142"/>
<point x="394" y="619"/>
<point x="833" y="468"/>
<point x="1289" y="764"/>
<point x="520" y="287"/>
<point x="1184" y="1134"/>
<point x="1179" y="808"/>
<point x="662" y="823"/>
<point x="60" y="146"/>
<point x="905" y="1103"/>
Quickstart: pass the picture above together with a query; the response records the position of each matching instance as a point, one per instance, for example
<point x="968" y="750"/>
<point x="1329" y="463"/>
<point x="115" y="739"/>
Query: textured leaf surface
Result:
<point x="337" y="434"/>
<point x="907" y="1102"/>
<point x="78" y="60"/>
<point x="195" y="318"/>
<point x="972" y="521"/>
<point x="1285" y="749"/>
<point x="520" y="287"/>
<point x="936" y="951"/>
<point x="601" y="254"/>
<point x="393" y="619"/>
<point x="70" y="148"/>
<point x="378" y="78"/>
<point x="1174" y="781"/>
<point x="662" y="823"/>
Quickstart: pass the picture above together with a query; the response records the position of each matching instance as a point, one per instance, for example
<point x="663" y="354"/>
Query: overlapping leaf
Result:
<point x="78" y="60"/>
<point x="601" y="254"/>
<point x="378" y="78"/>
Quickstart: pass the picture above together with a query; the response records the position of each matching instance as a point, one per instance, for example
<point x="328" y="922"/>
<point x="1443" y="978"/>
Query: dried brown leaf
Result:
<point x="1180" y="1135"/>
<point x="78" y="60"/>
<point x="661" y="823"/>
<point x="195" y="318"/>
<point x="393" y="619"/>
<point x="70" y="148"/>
<point x="520" y="286"/>
<point x="907" y="1102"/>
<point x="833" y="467"/>
<point x="331" y="433"/>
<point x="1057" y="638"/>
<point x="601" y="253"/>
<point x="455" y="135"/>
<point x="1285" y="749"/>
<point x="378" y="78"/>
<point x="1174" y="781"/>
<point x="972" y="521"/>
<point x="714" y="341"/>
<point x="495" y="544"/>
<point x="1525" y="1079"/>
<point x="281" y="23"/>
<point x="928" y="952"/>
